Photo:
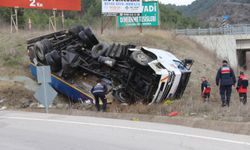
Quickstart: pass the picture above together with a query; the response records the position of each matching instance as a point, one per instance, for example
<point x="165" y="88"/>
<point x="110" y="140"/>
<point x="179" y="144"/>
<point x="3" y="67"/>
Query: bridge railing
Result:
<point x="230" y="30"/>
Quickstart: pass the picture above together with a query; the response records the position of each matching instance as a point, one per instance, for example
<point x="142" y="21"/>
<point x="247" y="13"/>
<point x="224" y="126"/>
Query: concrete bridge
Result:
<point x="231" y="43"/>
<point x="230" y="47"/>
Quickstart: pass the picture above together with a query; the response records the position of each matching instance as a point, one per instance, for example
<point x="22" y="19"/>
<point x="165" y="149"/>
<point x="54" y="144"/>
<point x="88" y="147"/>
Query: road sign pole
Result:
<point x="45" y="92"/>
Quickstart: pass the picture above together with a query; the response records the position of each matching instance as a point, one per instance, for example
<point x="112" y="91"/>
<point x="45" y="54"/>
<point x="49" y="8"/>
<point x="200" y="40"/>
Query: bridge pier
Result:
<point x="230" y="47"/>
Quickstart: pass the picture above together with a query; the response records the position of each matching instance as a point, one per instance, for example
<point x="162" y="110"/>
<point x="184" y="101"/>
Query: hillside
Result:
<point x="212" y="11"/>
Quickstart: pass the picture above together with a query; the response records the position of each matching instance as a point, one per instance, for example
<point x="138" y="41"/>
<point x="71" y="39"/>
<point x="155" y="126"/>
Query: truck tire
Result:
<point x="140" y="58"/>
<point x="99" y="50"/>
<point x="91" y="36"/>
<point x="119" y="52"/>
<point x="85" y="40"/>
<point x="54" y="60"/>
<point x="47" y="45"/>
<point x="121" y="95"/>
<point x="75" y="30"/>
<point x="31" y="53"/>
<point x="109" y="50"/>
<point x="114" y="50"/>
<point x="41" y="48"/>
<point x="40" y="51"/>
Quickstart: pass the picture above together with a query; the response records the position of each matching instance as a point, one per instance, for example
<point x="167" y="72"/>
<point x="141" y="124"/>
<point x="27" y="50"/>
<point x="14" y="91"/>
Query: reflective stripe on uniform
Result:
<point x="225" y="70"/>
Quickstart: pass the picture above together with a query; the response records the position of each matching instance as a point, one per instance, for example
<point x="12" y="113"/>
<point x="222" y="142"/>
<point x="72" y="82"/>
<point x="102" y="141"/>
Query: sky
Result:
<point x="177" y="2"/>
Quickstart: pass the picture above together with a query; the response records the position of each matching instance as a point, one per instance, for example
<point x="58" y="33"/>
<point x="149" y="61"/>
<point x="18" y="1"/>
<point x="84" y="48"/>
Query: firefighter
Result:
<point x="205" y="89"/>
<point x="242" y="88"/>
<point x="99" y="91"/>
<point x="225" y="78"/>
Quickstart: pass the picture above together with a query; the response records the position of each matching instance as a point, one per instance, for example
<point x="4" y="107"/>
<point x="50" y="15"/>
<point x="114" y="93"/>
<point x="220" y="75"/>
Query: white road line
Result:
<point x="131" y="128"/>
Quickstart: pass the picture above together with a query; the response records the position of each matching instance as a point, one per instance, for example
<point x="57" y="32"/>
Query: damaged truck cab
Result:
<point x="164" y="77"/>
<point x="135" y="74"/>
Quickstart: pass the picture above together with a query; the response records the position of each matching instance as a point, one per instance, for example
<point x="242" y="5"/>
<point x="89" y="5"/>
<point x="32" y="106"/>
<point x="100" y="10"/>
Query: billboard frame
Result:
<point x="13" y="20"/>
<point x="52" y="19"/>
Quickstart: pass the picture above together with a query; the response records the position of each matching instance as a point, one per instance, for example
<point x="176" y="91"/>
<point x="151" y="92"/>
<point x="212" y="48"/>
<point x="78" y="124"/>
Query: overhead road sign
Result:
<point x="121" y="6"/>
<point x="149" y="16"/>
<point x="74" y="5"/>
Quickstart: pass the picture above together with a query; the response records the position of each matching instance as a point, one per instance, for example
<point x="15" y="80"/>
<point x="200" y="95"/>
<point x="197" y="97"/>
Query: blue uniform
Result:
<point x="225" y="78"/>
<point x="99" y="91"/>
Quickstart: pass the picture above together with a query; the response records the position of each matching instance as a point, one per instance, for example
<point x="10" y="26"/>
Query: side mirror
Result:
<point x="188" y="63"/>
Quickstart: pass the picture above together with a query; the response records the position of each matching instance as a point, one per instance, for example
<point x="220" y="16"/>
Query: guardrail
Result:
<point x="231" y="30"/>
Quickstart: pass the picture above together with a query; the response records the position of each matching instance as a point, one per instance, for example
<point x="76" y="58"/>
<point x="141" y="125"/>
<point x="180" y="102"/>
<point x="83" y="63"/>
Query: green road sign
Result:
<point x="149" y="17"/>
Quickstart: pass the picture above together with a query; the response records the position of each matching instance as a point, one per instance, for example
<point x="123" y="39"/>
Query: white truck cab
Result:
<point x="174" y="75"/>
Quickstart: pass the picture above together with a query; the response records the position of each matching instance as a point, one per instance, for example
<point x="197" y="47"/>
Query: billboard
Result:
<point x="43" y="4"/>
<point x="149" y="17"/>
<point x="121" y="6"/>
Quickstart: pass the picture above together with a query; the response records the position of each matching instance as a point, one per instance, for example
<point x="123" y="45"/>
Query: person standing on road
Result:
<point x="242" y="87"/>
<point x="225" y="78"/>
<point x="99" y="91"/>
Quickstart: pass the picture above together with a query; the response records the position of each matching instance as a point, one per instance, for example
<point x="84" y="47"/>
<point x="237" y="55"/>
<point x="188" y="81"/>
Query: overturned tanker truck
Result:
<point x="135" y="74"/>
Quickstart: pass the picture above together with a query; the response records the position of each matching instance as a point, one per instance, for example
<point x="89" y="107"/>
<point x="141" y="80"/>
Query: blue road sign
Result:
<point x="43" y="74"/>
<point x="45" y="94"/>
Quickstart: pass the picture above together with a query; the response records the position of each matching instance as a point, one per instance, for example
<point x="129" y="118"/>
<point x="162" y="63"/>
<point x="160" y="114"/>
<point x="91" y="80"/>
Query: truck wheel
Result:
<point x="91" y="36"/>
<point x="40" y="51"/>
<point x="121" y="95"/>
<point x="47" y="45"/>
<point x="109" y="50"/>
<point x="41" y="48"/>
<point x="86" y="41"/>
<point x="75" y="30"/>
<point x="114" y="50"/>
<point x="99" y="50"/>
<point x="31" y="53"/>
<point x="54" y="60"/>
<point x="140" y="58"/>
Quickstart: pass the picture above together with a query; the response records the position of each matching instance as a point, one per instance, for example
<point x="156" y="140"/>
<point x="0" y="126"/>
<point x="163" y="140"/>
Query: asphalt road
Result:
<point x="35" y="131"/>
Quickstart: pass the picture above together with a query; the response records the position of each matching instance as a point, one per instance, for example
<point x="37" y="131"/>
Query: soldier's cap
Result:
<point x="224" y="61"/>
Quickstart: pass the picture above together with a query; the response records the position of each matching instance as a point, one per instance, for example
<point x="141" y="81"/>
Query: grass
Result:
<point x="13" y="51"/>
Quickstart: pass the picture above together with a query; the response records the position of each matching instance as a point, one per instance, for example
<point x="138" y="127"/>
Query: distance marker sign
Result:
<point x="43" y="4"/>
<point x="149" y="17"/>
